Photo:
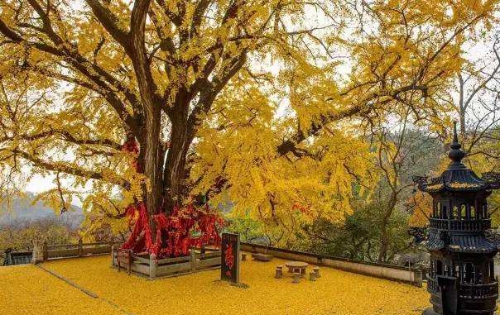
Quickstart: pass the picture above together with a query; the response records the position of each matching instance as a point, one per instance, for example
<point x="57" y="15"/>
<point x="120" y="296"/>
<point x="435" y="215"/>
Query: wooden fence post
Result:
<point x="418" y="277"/>
<point x="80" y="247"/>
<point x="192" y="254"/>
<point x="36" y="253"/>
<point x="153" y="264"/>
<point x="45" y="251"/>
<point x="112" y="255"/>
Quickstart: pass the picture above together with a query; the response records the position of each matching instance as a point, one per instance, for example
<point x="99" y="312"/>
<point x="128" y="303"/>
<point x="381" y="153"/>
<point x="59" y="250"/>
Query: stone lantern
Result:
<point x="461" y="278"/>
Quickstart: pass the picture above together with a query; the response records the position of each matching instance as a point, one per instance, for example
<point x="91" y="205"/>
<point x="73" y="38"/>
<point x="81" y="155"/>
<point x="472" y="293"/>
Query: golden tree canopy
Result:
<point x="262" y="103"/>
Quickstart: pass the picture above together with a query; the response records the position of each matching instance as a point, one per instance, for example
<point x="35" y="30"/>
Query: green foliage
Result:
<point x="248" y="228"/>
<point x="359" y="237"/>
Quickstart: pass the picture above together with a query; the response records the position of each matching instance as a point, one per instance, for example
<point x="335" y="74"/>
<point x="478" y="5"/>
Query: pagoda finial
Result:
<point x="455" y="134"/>
<point x="456" y="154"/>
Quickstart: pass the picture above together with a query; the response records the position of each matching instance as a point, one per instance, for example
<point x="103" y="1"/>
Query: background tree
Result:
<point x="401" y="154"/>
<point x="478" y="89"/>
<point x="474" y="98"/>
<point x="378" y="229"/>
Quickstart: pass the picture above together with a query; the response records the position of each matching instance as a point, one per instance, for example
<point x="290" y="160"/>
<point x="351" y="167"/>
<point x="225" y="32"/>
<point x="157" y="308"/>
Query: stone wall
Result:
<point x="384" y="271"/>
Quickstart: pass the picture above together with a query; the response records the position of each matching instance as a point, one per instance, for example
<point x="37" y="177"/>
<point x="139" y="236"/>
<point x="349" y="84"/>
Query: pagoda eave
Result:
<point x="462" y="243"/>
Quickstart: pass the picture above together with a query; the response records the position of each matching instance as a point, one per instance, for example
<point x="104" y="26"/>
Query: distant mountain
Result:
<point x="22" y="211"/>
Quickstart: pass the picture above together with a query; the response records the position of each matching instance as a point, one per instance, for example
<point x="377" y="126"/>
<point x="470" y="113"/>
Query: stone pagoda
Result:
<point x="461" y="278"/>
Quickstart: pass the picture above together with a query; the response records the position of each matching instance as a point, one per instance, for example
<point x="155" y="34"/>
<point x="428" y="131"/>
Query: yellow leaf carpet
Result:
<point x="31" y="290"/>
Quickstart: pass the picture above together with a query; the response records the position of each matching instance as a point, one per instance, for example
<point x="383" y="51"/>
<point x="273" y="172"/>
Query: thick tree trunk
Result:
<point x="384" y="243"/>
<point x="174" y="176"/>
<point x="151" y="104"/>
<point x="153" y="164"/>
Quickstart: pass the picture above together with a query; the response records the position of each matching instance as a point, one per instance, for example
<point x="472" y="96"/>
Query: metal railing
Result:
<point x="460" y="225"/>
<point x="478" y="291"/>
<point x="468" y="290"/>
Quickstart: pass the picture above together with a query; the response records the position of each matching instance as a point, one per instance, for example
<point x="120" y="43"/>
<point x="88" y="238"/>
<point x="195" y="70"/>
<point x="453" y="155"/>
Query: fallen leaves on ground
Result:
<point x="28" y="289"/>
<point x="335" y="293"/>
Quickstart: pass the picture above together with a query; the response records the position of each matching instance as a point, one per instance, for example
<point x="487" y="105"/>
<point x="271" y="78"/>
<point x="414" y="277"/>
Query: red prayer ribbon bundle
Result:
<point x="175" y="234"/>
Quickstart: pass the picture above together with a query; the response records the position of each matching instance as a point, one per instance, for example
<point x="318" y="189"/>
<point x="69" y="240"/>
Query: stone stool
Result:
<point x="312" y="276"/>
<point x="279" y="272"/>
<point x="243" y="257"/>
<point x="296" y="277"/>
<point x="316" y="271"/>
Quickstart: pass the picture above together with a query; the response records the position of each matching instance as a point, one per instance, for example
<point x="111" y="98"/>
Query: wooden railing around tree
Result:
<point x="166" y="266"/>
<point x="79" y="249"/>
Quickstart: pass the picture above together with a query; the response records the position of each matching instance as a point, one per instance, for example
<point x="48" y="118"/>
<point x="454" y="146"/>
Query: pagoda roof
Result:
<point x="455" y="180"/>
<point x="457" y="177"/>
<point x="469" y="244"/>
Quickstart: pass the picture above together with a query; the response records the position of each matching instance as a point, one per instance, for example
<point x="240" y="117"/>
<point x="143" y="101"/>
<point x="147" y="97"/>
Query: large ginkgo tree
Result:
<point x="263" y="103"/>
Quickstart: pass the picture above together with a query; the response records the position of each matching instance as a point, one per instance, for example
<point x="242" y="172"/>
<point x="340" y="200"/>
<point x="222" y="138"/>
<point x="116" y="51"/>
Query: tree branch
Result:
<point x="110" y="23"/>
